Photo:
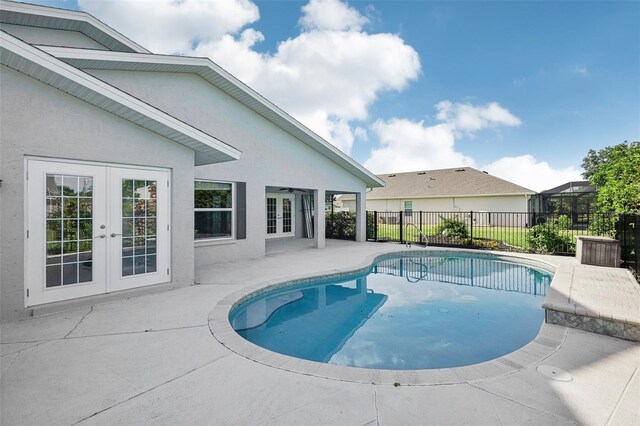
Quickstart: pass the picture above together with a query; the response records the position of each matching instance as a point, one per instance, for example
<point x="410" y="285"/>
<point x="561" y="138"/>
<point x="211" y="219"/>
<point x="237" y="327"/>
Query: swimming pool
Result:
<point x="409" y="312"/>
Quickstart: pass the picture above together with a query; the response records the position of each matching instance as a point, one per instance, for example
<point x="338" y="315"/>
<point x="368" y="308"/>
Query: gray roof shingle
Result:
<point x="460" y="181"/>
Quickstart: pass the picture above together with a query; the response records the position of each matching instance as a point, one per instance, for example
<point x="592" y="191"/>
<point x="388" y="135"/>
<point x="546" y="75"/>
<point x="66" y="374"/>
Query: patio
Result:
<point x="153" y="359"/>
<point x="284" y="245"/>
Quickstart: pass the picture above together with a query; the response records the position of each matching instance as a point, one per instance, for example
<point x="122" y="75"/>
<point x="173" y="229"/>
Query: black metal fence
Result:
<point x="628" y="232"/>
<point x="510" y="231"/>
<point x="466" y="271"/>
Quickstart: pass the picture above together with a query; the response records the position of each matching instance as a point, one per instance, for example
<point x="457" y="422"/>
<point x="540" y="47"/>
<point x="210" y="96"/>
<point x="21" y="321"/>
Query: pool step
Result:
<point x="259" y="312"/>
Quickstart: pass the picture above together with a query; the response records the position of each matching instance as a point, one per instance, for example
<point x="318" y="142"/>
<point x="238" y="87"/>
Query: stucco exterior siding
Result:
<point x="268" y="152"/>
<point x="507" y="203"/>
<point x="52" y="37"/>
<point x="487" y="211"/>
<point x="516" y="203"/>
<point x="270" y="157"/>
<point x="39" y="120"/>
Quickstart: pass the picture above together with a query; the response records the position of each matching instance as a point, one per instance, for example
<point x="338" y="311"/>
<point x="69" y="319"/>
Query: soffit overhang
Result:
<point x="31" y="15"/>
<point x="41" y="66"/>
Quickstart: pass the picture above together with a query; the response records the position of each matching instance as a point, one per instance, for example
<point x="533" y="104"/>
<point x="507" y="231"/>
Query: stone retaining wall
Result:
<point x="618" y="329"/>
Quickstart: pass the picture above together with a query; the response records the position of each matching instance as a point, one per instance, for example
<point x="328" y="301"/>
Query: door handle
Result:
<point x="100" y="236"/>
<point x="113" y="234"/>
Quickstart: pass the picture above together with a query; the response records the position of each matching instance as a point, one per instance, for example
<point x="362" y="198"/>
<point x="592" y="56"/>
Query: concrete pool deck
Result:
<point x="153" y="359"/>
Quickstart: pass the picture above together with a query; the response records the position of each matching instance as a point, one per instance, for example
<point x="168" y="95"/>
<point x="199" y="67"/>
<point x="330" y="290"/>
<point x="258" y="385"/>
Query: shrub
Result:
<point x="546" y="239"/>
<point x="604" y="225"/>
<point x="341" y="225"/>
<point x="371" y="226"/>
<point x="564" y="222"/>
<point x="452" y="227"/>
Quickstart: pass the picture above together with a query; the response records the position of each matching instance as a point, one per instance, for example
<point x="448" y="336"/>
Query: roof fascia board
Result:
<point x="119" y="40"/>
<point x="101" y="95"/>
<point x="242" y="93"/>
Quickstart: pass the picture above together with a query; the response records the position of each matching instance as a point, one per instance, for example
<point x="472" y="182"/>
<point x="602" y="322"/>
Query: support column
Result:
<point x="361" y="284"/>
<point x="318" y="223"/>
<point x="361" y="288"/>
<point x="322" y="297"/>
<point x="361" y="216"/>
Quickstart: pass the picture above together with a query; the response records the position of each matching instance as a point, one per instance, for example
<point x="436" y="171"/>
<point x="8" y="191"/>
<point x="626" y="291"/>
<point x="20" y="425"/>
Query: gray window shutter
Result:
<point x="241" y="210"/>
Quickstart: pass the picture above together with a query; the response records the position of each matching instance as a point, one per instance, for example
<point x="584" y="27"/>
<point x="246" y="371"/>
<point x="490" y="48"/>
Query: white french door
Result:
<point x="94" y="229"/>
<point x="139" y="235"/>
<point x="281" y="219"/>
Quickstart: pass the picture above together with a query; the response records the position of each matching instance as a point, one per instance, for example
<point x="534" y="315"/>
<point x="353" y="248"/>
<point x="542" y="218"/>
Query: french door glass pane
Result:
<point x="286" y="215"/>
<point x="272" y="227"/>
<point x="69" y="230"/>
<point x="138" y="226"/>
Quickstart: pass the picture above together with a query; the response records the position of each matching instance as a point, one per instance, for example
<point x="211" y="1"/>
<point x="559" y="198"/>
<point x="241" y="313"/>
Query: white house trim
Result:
<point x="69" y="20"/>
<point x="29" y="60"/>
<point x="205" y="68"/>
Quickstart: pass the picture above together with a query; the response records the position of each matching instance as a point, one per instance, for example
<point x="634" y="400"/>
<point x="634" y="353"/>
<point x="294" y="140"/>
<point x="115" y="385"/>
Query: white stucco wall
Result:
<point x="39" y="120"/>
<point x="51" y="37"/>
<point x="270" y="156"/>
<point x="508" y="203"/>
<point x="510" y="208"/>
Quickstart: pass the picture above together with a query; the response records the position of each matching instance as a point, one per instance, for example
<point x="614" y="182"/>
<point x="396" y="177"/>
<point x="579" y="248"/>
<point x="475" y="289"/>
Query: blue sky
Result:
<point x="524" y="89"/>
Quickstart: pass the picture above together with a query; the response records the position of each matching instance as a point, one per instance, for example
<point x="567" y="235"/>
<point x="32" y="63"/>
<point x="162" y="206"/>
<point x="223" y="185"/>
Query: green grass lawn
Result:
<point x="512" y="236"/>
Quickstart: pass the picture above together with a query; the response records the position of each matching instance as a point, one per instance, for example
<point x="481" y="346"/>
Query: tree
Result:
<point x="615" y="170"/>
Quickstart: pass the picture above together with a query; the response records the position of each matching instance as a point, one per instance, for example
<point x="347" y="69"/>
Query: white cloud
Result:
<point x="407" y="145"/>
<point x="331" y="15"/>
<point x="169" y="26"/>
<point x="580" y="70"/>
<point x="326" y="77"/>
<point x="323" y="79"/>
<point x="465" y="117"/>
<point x="339" y="132"/>
<point x="361" y="133"/>
<point x="526" y="171"/>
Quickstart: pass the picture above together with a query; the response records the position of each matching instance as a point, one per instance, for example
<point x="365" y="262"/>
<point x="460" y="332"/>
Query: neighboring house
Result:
<point x="123" y="169"/>
<point x="461" y="189"/>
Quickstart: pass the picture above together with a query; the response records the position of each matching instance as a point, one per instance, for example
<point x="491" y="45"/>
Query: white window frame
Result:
<point x="217" y="209"/>
<point x="405" y="211"/>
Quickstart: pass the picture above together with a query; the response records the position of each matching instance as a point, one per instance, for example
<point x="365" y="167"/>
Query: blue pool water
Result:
<point x="423" y="312"/>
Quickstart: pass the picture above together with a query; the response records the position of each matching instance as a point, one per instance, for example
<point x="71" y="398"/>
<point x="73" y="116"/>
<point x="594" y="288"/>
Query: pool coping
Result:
<point x="548" y="340"/>
<point x="613" y="310"/>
